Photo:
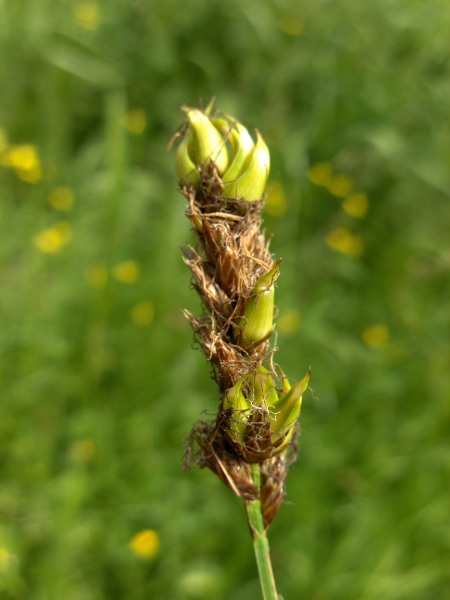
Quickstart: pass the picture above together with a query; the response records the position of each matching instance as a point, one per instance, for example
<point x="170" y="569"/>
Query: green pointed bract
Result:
<point x="251" y="184"/>
<point x="206" y="142"/>
<point x="223" y="126"/>
<point x="286" y="386"/>
<point x="256" y="325"/>
<point x="286" y="411"/>
<point x="264" y="392"/>
<point x="235" y="399"/>
<point x="186" y="170"/>
<point x="266" y="282"/>
<point x="242" y="147"/>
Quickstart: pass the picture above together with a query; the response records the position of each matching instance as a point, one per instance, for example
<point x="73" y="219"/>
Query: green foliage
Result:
<point x="98" y="381"/>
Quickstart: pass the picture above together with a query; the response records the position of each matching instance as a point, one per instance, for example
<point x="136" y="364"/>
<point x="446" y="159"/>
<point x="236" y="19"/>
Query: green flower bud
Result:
<point x="235" y="399"/>
<point x="251" y="394"/>
<point x="251" y="184"/>
<point x="185" y="168"/>
<point x="285" y="412"/>
<point x="204" y="141"/>
<point x="262" y="420"/>
<point x="263" y="387"/>
<point x="256" y="325"/>
<point x="242" y="147"/>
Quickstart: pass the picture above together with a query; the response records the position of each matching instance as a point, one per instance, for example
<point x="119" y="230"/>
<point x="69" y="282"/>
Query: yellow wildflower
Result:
<point x="135" y="121"/>
<point x="24" y="159"/>
<point x="87" y="15"/>
<point x="344" y="241"/>
<point x="356" y="205"/>
<point x="127" y="272"/>
<point x="289" y="321"/>
<point x="340" y="185"/>
<point x="96" y="276"/>
<point x="83" y="451"/>
<point x="61" y="198"/>
<point x="142" y="313"/>
<point x="53" y="239"/>
<point x="376" y="336"/>
<point x="145" y="543"/>
<point x="321" y="173"/>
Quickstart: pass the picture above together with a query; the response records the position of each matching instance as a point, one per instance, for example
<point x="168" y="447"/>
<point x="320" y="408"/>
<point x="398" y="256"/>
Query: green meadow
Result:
<point x="100" y="381"/>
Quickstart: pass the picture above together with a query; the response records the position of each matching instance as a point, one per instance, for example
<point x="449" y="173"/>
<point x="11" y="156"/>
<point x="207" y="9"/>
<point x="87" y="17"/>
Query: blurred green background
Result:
<point x="99" y="383"/>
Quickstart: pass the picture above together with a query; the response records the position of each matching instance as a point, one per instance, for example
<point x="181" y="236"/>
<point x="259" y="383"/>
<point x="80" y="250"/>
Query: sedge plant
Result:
<point x="222" y="172"/>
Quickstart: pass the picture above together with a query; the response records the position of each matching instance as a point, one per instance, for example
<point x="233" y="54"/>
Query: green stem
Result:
<point x="260" y="541"/>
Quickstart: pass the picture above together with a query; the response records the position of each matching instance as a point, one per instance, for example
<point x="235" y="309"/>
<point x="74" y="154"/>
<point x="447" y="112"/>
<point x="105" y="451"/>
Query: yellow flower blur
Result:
<point x="276" y="204"/>
<point x="356" y="205"/>
<point x="6" y="560"/>
<point x="145" y="544"/>
<point x="53" y="239"/>
<point x="321" y="173"/>
<point x="142" y="313"/>
<point x="289" y="321"/>
<point x="83" y="451"/>
<point x="135" y="121"/>
<point x="24" y="160"/>
<point x="376" y="336"/>
<point x="292" y="25"/>
<point x="61" y="198"/>
<point x="127" y="272"/>
<point x="344" y="241"/>
<point x="87" y="15"/>
<point x="340" y="185"/>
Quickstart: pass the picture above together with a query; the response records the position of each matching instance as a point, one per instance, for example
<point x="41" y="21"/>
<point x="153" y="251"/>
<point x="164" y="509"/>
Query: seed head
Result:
<point x="223" y="173"/>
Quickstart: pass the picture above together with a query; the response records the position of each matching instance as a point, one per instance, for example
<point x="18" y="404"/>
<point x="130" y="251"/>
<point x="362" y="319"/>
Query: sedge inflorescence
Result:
<point x="223" y="174"/>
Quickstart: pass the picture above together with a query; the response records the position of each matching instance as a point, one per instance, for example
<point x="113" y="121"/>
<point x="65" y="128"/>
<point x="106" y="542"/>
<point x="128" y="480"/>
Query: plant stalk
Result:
<point x="260" y="541"/>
